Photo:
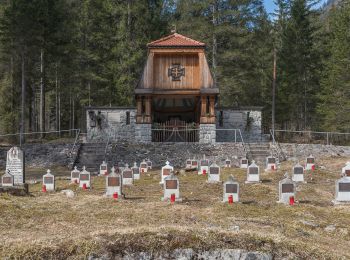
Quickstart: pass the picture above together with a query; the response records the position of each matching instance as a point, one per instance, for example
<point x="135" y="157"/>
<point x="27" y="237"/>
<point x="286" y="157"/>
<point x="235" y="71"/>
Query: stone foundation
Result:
<point x="143" y="133"/>
<point x="207" y="133"/>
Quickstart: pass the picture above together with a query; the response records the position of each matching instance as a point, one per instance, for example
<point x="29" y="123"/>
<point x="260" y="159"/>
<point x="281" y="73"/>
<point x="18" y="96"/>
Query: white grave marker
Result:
<point x="149" y="164"/>
<point x="136" y="171"/>
<point x="298" y="173"/>
<point x="188" y="164"/>
<point x="286" y="190"/>
<point x="214" y="173"/>
<point x="143" y="166"/>
<point x="84" y="178"/>
<point x="166" y="171"/>
<point x="310" y="163"/>
<point x="271" y="164"/>
<point x="204" y="166"/>
<point x="194" y="164"/>
<point x="74" y="175"/>
<point x="7" y="180"/>
<point x="171" y="187"/>
<point x="49" y="181"/>
<point x="128" y="178"/>
<point x="342" y="190"/>
<point x="231" y="188"/>
<point x="15" y="165"/>
<point x="253" y="173"/>
<point x="346" y="170"/>
<point x="244" y="163"/>
<point x="228" y="163"/>
<point x="103" y="168"/>
<point x="114" y="184"/>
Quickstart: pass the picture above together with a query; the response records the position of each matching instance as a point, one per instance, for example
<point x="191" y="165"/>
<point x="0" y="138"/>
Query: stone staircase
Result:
<point x="258" y="151"/>
<point x="91" y="156"/>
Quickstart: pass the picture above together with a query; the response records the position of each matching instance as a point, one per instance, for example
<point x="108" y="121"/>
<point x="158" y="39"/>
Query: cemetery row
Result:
<point x="123" y="175"/>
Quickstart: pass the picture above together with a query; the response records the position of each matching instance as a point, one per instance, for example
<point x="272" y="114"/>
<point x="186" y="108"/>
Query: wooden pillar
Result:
<point x="139" y="110"/>
<point x="203" y="110"/>
<point x="211" y="109"/>
<point x="148" y="112"/>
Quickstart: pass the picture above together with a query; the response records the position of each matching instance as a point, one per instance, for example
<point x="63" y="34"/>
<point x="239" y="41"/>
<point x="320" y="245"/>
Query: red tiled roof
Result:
<point x="175" y="40"/>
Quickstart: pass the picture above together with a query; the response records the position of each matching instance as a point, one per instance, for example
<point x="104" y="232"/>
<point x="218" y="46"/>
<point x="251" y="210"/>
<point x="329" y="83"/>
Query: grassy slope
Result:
<point x="51" y="225"/>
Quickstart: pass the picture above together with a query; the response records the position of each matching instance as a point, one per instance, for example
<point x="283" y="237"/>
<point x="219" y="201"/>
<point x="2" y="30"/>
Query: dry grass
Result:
<point x="53" y="226"/>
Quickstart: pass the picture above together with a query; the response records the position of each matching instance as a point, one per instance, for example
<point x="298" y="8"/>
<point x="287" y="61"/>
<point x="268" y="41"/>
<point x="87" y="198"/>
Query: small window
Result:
<point x="128" y="117"/>
<point x="221" y="118"/>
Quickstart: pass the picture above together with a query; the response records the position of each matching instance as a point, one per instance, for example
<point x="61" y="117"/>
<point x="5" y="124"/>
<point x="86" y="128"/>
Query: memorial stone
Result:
<point x="298" y="173"/>
<point x="214" y="173"/>
<point x="166" y="171"/>
<point x="231" y="188"/>
<point x="346" y="170"/>
<point x="253" y="173"/>
<point x="310" y="163"/>
<point x="128" y="177"/>
<point x="7" y="180"/>
<point x="103" y="168"/>
<point x="74" y="175"/>
<point x="244" y="163"/>
<point x="143" y="167"/>
<point x="188" y="164"/>
<point x="114" y="183"/>
<point x="204" y="166"/>
<point x="136" y="171"/>
<point x="15" y="165"/>
<point x="49" y="181"/>
<point x="171" y="187"/>
<point x="271" y="164"/>
<point x="84" y="178"/>
<point x="228" y="163"/>
<point x="194" y="164"/>
<point x="149" y="164"/>
<point x="342" y="190"/>
<point x="286" y="190"/>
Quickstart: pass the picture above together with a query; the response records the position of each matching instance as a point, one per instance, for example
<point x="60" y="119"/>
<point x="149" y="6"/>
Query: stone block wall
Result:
<point x="143" y="133"/>
<point x="114" y="123"/>
<point x="207" y="133"/>
<point x="248" y="120"/>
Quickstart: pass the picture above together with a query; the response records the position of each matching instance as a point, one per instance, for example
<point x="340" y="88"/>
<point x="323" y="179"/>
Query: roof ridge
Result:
<point x="175" y="35"/>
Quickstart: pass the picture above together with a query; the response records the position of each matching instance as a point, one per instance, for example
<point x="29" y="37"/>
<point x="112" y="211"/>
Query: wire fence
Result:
<point x="311" y="137"/>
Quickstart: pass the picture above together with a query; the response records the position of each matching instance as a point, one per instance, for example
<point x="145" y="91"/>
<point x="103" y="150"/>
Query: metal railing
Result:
<point x="310" y="137"/>
<point x="189" y="135"/>
<point x="231" y="136"/>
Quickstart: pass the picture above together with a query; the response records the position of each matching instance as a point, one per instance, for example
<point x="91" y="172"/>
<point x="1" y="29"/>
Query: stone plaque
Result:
<point x="253" y="170"/>
<point x="75" y="174"/>
<point x="194" y="163"/>
<point x="214" y="170"/>
<point x="271" y="160"/>
<point x="244" y="161"/>
<point x="231" y="188"/>
<point x="84" y="177"/>
<point x="310" y="160"/>
<point x="188" y="162"/>
<point x="48" y="180"/>
<point x="15" y="165"/>
<point x="113" y="181"/>
<point x="135" y="171"/>
<point x="6" y="180"/>
<point x="166" y="171"/>
<point x="204" y="163"/>
<point x="143" y="165"/>
<point x="149" y="164"/>
<point x="103" y="168"/>
<point x="344" y="187"/>
<point x="127" y="174"/>
<point x="347" y="173"/>
<point x="171" y="184"/>
<point x="288" y="188"/>
<point x="298" y="170"/>
<point x="228" y="162"/>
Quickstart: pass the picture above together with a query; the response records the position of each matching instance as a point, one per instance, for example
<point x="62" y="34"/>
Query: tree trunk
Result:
<point x="42" y="95"/>
<point x="23" y="99"/>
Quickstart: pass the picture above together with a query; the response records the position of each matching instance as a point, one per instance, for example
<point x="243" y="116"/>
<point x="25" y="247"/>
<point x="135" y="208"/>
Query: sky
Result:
<point x="270" y="6"/>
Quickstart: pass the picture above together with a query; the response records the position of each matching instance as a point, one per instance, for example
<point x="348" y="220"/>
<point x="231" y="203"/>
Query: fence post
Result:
<point x="327" y="138"/>
<point x="235" y="136"/>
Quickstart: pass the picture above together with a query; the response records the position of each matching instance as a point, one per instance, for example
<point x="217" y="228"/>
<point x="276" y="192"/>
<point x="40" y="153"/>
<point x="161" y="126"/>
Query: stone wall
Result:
<point x="207" y="133"/>
<point x="104" y="123"/>
<point x="143" y="133"/>
<point x="248" y="120"/>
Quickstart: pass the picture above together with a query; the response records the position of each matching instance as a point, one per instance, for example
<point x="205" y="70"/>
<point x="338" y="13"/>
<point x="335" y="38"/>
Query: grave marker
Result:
<point x="104" y="168"/>
<point x="143" y="166"/>
<point x="127" y="176"/>
<point x="271" y="164"/>
<point x="286" y="190"/>
<point x="310" y="163"/>
<point x="74" y="175"/>
<point x="342" y="190"/>
<point x="231" y="188"/>
<point x="214" y="173"/>
<point x="298" y="173"/>
<point x="171" y="188"/>
<point x="149" y="164"/>
<point x="166" y="171"/>
<point x="114" y="184"/>
<point x="244" y="163"/>
<point x="228" y="163"/>
<point x="136" y="171"/>
<point x="84" y="179"/>
<point x="253" y="173"/>
<point x="15" y="165"/>
<point x="7" y="180"/>
<point x="204" y="166"/>
<point x="346" y="170"/>
<point x="49" y="181"/>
